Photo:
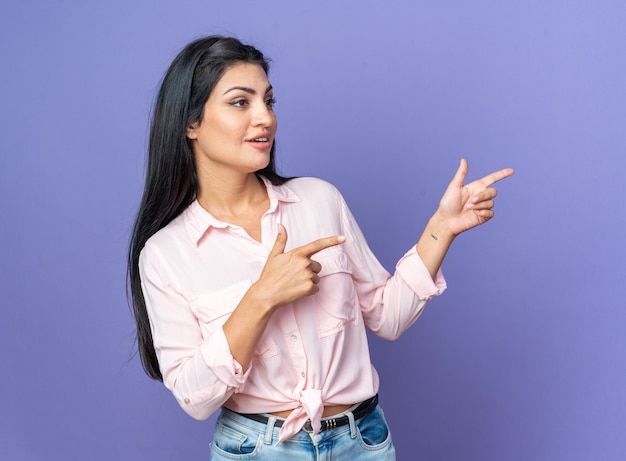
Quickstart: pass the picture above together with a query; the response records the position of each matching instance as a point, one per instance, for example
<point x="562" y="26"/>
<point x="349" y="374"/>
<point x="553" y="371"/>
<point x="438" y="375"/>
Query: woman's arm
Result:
<point x="285" y="278"/>
<point x="391" y="303"/>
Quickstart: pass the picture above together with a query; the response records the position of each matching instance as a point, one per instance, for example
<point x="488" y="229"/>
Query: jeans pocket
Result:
<point x="374" y="431"/>
<point x="232" y="442"/>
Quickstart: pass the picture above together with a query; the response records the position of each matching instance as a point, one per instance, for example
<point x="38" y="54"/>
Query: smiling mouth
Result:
<point x="261" y="140"/>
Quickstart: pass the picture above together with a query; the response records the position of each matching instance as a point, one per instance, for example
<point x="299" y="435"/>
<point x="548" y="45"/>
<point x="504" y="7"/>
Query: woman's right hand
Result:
<point x="289" y="276"/>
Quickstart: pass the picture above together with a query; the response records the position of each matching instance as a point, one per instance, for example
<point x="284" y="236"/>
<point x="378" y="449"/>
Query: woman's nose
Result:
<point x="263" y="115"/>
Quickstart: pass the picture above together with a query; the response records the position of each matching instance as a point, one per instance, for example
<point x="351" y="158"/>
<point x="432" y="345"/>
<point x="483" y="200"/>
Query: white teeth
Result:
<point x="260" y="140"/>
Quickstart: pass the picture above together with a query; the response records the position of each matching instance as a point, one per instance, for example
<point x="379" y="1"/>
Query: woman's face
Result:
<point x="238" y="127"/>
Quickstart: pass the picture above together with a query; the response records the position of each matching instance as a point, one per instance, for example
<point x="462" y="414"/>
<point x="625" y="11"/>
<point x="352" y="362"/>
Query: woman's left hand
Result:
<point x="463" y="207"/>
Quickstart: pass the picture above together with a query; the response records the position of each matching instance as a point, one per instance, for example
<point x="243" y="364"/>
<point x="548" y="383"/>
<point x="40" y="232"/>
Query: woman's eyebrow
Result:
<point x="246" y="89"/>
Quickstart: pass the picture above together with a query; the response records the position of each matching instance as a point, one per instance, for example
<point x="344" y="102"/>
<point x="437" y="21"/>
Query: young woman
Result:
<point x="251" y="291"/>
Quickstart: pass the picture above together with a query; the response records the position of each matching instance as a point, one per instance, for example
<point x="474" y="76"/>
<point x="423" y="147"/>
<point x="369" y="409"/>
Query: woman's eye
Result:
<point x="270" y="102"/>
<point x="239" y="103"/>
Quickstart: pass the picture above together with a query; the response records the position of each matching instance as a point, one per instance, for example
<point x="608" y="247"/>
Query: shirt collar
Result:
<point x="198" y="221"/>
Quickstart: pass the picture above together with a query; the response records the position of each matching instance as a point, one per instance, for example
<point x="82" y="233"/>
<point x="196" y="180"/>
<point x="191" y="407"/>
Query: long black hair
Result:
<point x="171" y="179"/>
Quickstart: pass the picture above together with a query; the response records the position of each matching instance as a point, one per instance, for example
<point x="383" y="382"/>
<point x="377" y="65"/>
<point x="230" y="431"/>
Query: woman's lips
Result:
<point x="261" y="142"/>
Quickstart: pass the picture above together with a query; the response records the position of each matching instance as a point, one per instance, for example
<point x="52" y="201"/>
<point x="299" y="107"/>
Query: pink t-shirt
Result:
<point x="314" y="352"/>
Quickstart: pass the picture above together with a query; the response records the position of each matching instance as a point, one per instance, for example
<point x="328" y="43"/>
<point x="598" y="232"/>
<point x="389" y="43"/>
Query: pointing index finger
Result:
<point x="318" y="245"/>
<point x="497" y="176"/>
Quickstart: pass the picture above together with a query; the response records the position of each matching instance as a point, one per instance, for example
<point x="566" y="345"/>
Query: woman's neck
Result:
<point x="230" y="199"/>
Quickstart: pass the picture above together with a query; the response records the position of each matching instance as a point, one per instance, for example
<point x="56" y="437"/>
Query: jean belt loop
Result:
<point x="350" y="416"/>
<point x="269" y="429"/>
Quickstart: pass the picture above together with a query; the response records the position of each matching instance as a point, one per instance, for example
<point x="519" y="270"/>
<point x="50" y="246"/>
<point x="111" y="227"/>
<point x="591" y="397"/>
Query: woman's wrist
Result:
<point x="258" y="297"/>
<point x="439" y="229"/>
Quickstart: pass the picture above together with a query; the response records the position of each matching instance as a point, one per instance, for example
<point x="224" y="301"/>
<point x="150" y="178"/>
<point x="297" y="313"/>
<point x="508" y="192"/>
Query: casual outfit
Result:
<point x="314" y="352"/>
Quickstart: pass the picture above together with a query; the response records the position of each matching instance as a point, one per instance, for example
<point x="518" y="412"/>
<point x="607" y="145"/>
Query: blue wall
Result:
<point x="524" y="356"/>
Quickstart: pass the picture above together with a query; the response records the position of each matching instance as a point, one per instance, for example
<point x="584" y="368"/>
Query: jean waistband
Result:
<point x="364" y="409"/>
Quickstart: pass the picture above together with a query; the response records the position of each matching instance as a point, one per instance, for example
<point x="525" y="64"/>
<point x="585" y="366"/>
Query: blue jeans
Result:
<point x="365" y="439"/>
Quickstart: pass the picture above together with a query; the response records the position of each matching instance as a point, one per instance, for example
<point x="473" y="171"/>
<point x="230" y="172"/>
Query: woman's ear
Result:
<point x="192" y="131"/>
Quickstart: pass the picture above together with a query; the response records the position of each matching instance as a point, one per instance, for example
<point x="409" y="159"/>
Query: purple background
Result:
<point x="524" y="356"/>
